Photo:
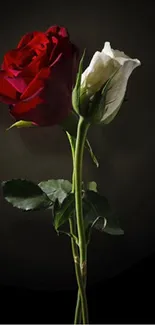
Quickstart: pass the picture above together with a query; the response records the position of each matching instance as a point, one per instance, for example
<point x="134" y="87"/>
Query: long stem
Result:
<point x="77" y="318"/>
<point x="75" y="252"/>
<point x="78" y="164"/>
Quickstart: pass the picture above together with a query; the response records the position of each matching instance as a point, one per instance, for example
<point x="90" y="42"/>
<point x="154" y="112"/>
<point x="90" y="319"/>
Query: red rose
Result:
<point x="36" y="78"/>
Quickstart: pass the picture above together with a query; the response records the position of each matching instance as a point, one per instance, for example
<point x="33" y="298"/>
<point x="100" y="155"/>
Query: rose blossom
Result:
<point x="37" y="77"/>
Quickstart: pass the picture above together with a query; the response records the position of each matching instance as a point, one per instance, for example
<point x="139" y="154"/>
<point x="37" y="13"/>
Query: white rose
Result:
<point x="112" y="65"/>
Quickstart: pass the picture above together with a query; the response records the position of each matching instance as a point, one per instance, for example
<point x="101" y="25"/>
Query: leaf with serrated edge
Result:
<point x="25" y="195"/>
<point x="56" y="189"/>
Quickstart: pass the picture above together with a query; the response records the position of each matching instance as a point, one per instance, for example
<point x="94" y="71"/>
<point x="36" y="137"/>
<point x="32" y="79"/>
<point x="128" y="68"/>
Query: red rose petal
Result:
<point x="38" y="43"/>
<point x="54" y="40"/>
<point x="7" y="92"/>
<point x="20" y="84"/>
<point x="63" y="32"/>
<point x="25" y="40"/>
<point x="15" y="60"/>
<point x="56" y="60"/>
<point x="23" y="107"/>
<point x="41" y="114"/>
<point x="57" y="31"/>
<point x="52" y="30"/>
<point x="36" y="84"/>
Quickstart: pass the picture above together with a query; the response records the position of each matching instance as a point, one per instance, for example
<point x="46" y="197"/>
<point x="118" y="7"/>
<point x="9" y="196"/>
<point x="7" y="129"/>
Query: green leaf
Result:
<point x="99" y="223"/>
<point x="92" y="186"/>
<point x="56" y="189"/>
<point x="113" y="227"/>
<point x="25" y="195"/>
<point x="76" y="90"/>
<point x="99" y="202"/>
<point x="62" y="212"/>
<point x="98" y="214"/>
<point x="91" y="218"/>
<point x="22" y="124"/>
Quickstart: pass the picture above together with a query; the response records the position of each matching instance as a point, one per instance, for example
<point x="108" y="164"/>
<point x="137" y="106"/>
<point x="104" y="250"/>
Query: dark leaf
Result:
<point x="62" y="212"/>
<point x="99" y="204"/>
<point x="98" y="215"/>
<point x="25" y="195"/>
<point x="113" y="227"/>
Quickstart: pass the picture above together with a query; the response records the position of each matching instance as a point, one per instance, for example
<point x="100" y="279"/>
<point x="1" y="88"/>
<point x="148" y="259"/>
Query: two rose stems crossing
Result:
<point x="79" y="252"/>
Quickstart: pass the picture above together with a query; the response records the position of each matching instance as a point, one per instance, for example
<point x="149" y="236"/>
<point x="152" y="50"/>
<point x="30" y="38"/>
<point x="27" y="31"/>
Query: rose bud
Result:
<point x="103" y="85"/>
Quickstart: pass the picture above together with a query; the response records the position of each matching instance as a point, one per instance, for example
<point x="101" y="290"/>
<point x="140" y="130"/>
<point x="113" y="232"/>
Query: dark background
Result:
<point x="36" y="270"/>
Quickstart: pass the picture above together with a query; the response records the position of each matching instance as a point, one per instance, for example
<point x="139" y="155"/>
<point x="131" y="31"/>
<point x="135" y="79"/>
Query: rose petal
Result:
<point x="55" y="104"/>
<point x="52" y="30"/>
<point x="8" y="94"/>
<point x="21" y="108"/>
<point x="116" y="89"/>
<point x="117" y="55"/>
<point x="25" y="39"/>
<point x="40" y="57"/>
<point x="36" y="85"/>
<point x="38" y="43"/>
<point x="98" y="72"/>
<point x="20" y="84"/>
<point x="57" y="30"/>
<point x="15" y="60"/>
<point x="41" y="114"/>
<point x="63" y="32"/>
<point x="20" y="59"/>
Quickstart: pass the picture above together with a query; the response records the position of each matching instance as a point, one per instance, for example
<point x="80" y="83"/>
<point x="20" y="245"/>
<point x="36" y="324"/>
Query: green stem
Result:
<point x="77" y="318"/>
<point x="78" y="164"/>
<point x="75" y="252"/>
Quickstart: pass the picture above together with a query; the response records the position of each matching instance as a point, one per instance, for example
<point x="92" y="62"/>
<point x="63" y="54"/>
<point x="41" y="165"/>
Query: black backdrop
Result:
<point x="34" y="262"/>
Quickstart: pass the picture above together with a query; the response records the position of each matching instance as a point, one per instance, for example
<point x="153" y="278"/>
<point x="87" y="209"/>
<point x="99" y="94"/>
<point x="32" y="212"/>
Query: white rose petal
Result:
<point x="116" y="89"/>
<point x="100" y="69"/>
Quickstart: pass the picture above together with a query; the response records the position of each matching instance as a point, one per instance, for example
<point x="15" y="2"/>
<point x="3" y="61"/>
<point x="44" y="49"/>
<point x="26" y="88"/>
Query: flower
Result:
<point x="37" y="77"/>
<point x="108" y="73"/>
